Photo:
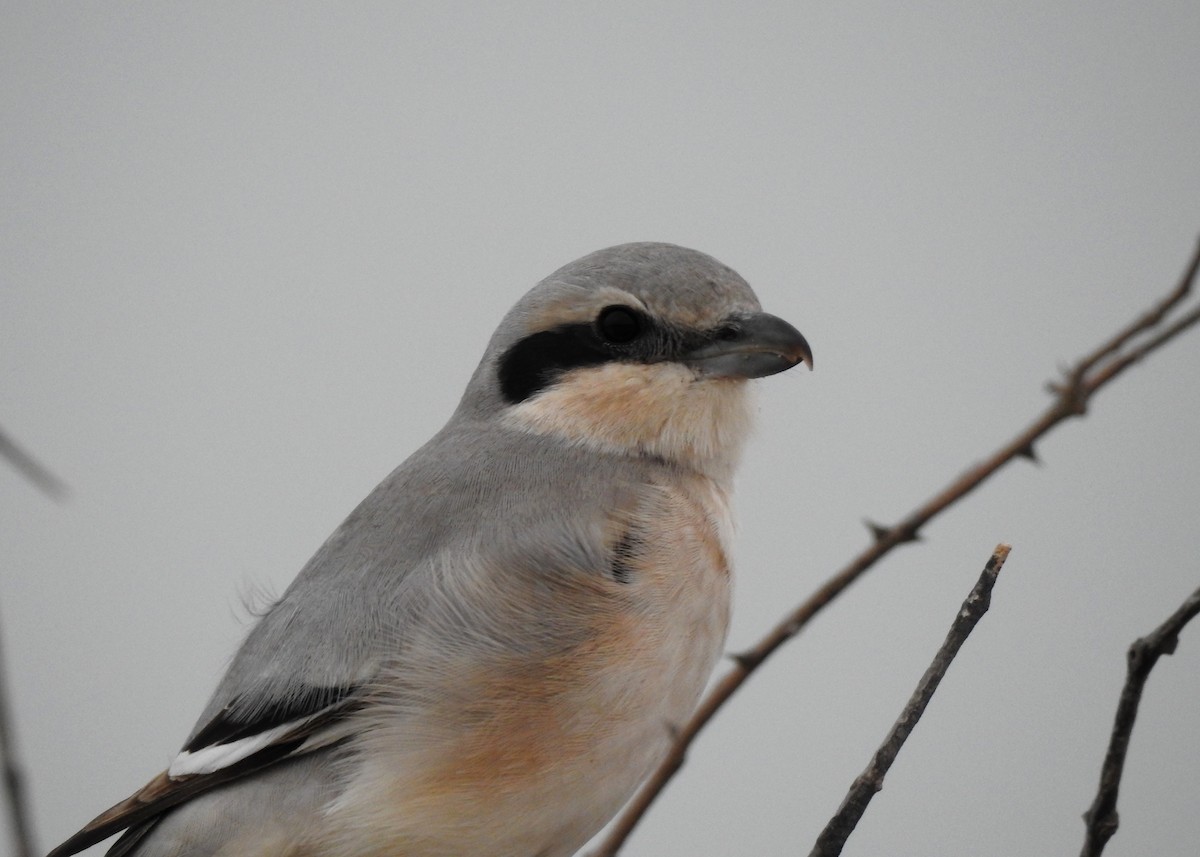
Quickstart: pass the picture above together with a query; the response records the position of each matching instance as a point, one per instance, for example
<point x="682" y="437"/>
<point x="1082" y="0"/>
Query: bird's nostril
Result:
<point x="727" y="332"/>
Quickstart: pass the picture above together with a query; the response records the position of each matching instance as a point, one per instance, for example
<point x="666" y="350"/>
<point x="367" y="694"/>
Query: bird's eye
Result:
<point x="618" y="324"/>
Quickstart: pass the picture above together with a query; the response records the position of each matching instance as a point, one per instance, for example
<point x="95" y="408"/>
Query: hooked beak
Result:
<point x="752" y="345"/>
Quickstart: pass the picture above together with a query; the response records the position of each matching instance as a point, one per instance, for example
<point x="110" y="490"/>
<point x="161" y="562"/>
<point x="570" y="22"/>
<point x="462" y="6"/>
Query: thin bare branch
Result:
<point x="833" y="837"/>
<point x="31" y="468"/>
<point x="11" y="777"/>
<point x="1071" y="396"/>
<point x="1101" y="818"/>
<point x="14" y="780"/>
<point x="1147" y="321"/>
<point x="1111" y="370"/>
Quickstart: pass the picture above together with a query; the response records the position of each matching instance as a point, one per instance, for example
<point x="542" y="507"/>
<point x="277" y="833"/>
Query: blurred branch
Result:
<point x="833" y="837"/>
<point x="1143" y="336"/>
<point x="10" y="770"/>
<point x="1101" y="818"/>
<point x="27" y="465"/>
<point x="14" y="780"/>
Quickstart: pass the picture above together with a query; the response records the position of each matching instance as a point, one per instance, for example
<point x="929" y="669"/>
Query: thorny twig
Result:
<point x="1101" y="818"/>
<point x="1131" y="344"/>
<point x="833" y="837"/>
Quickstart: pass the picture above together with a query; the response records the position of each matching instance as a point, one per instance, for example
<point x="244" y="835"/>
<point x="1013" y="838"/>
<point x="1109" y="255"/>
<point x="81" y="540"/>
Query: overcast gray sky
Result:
<point x="251" y="253"/>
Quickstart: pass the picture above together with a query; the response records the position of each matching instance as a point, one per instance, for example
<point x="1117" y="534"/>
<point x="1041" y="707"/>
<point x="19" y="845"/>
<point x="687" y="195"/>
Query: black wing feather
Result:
<point x="238" y="720"/>
<point x="141" y="811"/>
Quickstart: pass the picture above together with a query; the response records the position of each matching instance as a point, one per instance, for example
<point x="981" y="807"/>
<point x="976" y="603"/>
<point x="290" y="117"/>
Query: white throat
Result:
<point x="662" y="409"/>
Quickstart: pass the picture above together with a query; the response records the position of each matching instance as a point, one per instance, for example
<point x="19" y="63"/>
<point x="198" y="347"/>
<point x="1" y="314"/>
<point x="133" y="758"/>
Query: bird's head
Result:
<point x="637" y="349"/>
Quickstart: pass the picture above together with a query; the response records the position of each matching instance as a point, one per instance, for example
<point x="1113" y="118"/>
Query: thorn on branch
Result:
<point x="899" y="534"/>
<point x="1072" y="393"/>
<point x="1028" y="452"/>
<point x="746" y="660"/>
<point x="878" y="531"/>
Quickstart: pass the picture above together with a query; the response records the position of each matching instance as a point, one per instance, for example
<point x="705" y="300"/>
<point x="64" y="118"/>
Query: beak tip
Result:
<point x="804" y="352"/>
<point x="762" y="345"/>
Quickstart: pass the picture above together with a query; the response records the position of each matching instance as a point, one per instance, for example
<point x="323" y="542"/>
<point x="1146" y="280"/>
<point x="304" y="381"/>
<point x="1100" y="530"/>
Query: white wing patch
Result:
<point x="214" y="757"/>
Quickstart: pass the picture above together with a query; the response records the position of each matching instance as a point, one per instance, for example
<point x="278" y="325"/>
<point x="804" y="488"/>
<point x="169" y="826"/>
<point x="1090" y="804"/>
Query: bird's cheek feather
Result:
<point x="659" y="409"/>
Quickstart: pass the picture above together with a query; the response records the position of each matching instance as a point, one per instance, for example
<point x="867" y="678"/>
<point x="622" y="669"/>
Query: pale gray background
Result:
<point x="251" y="254"/>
